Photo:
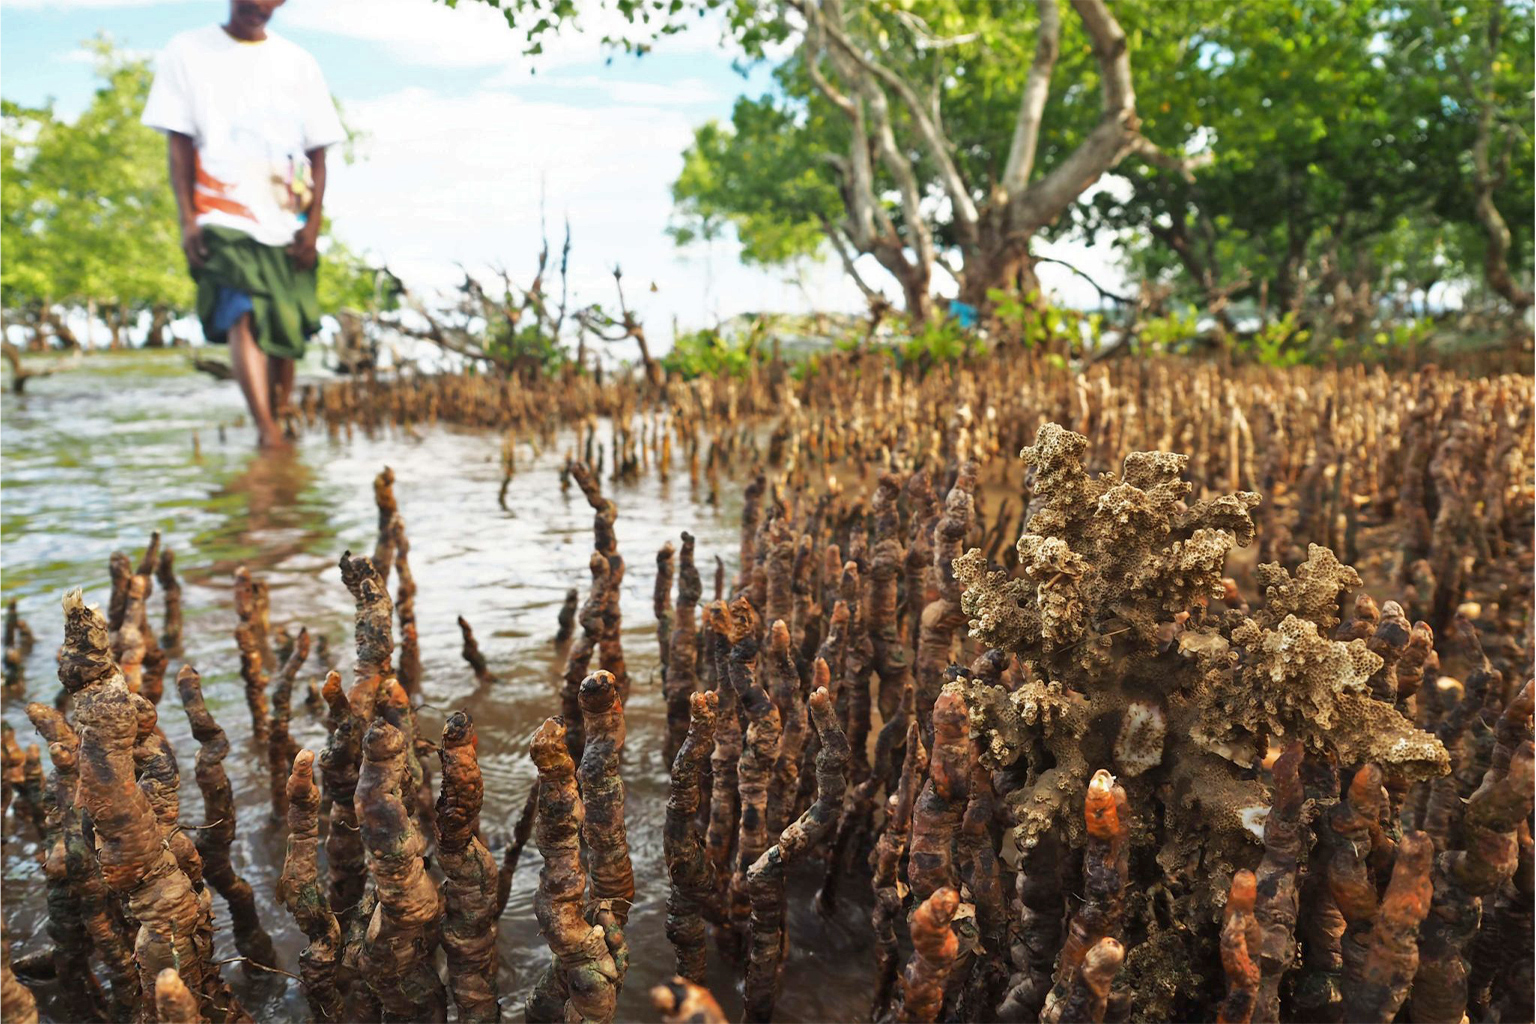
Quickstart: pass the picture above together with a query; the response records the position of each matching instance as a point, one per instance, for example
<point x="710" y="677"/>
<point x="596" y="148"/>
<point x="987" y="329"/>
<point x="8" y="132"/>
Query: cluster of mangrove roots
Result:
<point x="1085" y="776"/>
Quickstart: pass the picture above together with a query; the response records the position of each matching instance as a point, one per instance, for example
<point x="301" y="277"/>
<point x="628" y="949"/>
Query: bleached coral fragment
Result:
<point x="1000" y="608"/>
<point x="1139" y="745"/>
<point x="1296" y="649"/>
<point x="1312" y="593"/>
<point x="1253" y="819"/>
<point x="1296" y="682"/>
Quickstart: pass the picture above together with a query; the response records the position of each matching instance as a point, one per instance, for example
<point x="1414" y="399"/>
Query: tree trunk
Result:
<point x="56" y="324"/>
<point x="914" y="276"/>
<point x="116" y="321"/>
<point x="1485" y="180"/>
<point x="157" y="324"/>
<point x="1289" y="287"/>
<point x="37" y="335"/>
<point x="999" y="263"/>
<point x="1217" y="298"/>
<point x="1495" y="253"/>
<point x="915" y="295"/>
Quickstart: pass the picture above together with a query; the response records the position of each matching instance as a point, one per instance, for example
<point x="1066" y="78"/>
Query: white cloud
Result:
<point x="682" y="93"/>
<point x="474" y="34"/>
<point x="414" y="31"/>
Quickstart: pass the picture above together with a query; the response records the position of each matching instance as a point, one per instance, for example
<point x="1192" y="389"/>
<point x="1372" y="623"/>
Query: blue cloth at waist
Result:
<point x="230" y="306"/>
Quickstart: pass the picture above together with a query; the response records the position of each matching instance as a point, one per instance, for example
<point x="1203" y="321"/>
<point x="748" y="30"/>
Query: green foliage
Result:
<point x="1172" y="332"/>
<point x="936" y="340"/>
<point x="1338" y="134"/>
<point x="1409" y="334"/>
<point x="643" y="21"/>
<point x="346" y="280"/>
<point x="1439" y="51"/>
<point x="1330" y="132"/>
<point x="1281" y="342"/>
<point x="23" y="273"/>
<point x="88" y="215"/>
<point x="1012" y="310"/>
<point x="516" y="340"/>
<point x="761" y="175"/>
<point x="1025" y="320"/>
<point x="806" y="368"/>
<point x="528" y="345"/>
<point x="708" y="353"/>
<point x="713" y="353"/>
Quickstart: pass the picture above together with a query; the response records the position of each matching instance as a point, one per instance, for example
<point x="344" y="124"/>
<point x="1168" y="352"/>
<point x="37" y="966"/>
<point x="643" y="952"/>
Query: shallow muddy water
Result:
<point x="96" y="458"/>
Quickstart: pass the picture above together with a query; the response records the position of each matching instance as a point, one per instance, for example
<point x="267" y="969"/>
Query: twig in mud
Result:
<point x="193" y="828"/>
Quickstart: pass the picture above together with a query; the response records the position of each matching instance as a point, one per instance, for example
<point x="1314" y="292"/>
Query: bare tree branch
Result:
<point x="450" y="339"/>
<point x="870" y="228"/>
<point x="594" y="319"/>
<point x="1105" y="146"/>
<point x="1104" y="293"/>
<point x="1037" y="87"/>
<point x="1184" y="167"/>
<point x="21" y="374"/>
<point x="949" y="268"/>
<point x="565" y="263"/>
<point x="859" y="175"/>
<point x="995" y="247"/>
<point x="965" y="214"/>
<point x="841" y="246"/>
<point x="895" y="161"/>
<point x="927" y="39"/>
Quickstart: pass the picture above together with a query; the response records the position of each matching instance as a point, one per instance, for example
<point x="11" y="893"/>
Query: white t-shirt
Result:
<point x="253" y="110"/>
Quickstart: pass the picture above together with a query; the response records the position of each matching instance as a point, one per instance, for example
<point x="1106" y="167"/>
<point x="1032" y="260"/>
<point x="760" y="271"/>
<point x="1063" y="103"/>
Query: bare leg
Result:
<point x="250" y="365"/>
<point x="280" y="372"/>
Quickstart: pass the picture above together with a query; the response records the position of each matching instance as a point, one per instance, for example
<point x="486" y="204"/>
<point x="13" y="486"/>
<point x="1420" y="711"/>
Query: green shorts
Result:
<point x="284" y="309"/>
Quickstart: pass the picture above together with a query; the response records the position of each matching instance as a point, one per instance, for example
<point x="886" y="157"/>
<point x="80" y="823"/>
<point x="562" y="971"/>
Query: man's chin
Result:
<point x="252" y="17"/>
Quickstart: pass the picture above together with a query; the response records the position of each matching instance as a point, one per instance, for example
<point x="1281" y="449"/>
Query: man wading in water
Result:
<point x="248" y="116"/>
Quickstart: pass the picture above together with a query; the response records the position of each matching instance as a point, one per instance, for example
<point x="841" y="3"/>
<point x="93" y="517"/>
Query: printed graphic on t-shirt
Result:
<point x="212" y="194"/>
<point x="245" y="175"/>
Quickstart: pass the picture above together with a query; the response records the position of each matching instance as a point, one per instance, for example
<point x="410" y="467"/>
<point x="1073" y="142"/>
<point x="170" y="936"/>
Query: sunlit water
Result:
<point x="96" y="458"/>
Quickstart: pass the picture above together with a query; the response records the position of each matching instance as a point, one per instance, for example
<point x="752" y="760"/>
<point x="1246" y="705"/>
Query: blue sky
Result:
<point x="462" y="140"/>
